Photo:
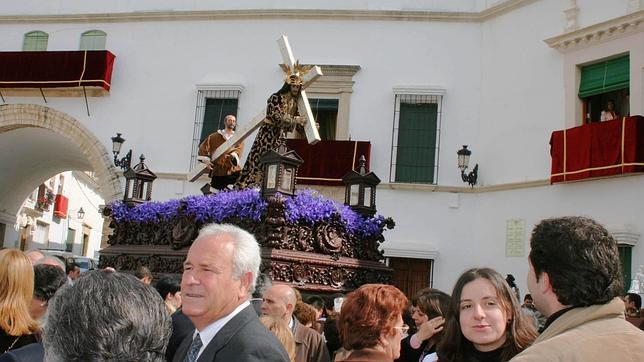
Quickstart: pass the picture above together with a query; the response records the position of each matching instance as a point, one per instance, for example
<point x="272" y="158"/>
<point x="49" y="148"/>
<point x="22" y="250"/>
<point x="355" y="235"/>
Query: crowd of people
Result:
<point x="223" y="309"/>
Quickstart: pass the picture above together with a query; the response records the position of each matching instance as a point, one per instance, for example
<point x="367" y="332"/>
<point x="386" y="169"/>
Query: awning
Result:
<point x="56" y="69"/>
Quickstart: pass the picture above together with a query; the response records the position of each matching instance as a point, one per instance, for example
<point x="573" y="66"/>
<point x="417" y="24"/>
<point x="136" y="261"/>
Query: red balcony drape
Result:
<point x="598" y="149"/>
<point x="326" y="162"/>
<point x="60" y="206"/>
<point x="56" y="69"/>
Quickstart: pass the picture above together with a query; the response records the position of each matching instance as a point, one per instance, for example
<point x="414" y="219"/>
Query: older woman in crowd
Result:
<point x="17" y="327"/>
<point x="484" y="322"/>
<point x="371" y="325"/>
<point x="428" y="309"/>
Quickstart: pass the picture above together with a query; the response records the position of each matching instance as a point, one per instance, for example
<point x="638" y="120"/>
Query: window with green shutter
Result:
<point x="212" y="107"/>
<point x="325" y="112"/>
<point x="69" y="242"/>
<point x="35" y="41"/>
<point x="625" y="257"/>
<point x="416" y="135"/>
<point x="604" y="77"/>
<point x="216" y="110"/>
<point x="93" y="40"/>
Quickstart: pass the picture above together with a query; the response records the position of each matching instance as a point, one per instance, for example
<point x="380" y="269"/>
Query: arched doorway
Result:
<point x="37" y="142"/>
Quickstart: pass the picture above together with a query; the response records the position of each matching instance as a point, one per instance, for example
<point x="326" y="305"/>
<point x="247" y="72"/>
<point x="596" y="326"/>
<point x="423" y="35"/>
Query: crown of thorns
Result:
<point x="294" y="75"/>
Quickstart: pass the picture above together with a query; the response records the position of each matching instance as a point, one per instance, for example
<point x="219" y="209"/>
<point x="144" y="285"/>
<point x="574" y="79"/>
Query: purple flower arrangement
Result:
<point x="307" y="207"/>
<point x="310" y="207"/>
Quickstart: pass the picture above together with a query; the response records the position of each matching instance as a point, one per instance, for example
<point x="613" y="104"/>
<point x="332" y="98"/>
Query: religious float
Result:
<point x="307" y="240"/>
<point x="315" y="243"/>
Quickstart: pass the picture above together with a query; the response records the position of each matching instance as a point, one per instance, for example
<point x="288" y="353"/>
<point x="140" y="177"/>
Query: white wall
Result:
<point x="504" y="88"/>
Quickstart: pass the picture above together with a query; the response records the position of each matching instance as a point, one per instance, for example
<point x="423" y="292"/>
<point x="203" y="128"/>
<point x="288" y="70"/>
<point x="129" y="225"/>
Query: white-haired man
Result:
<point x="279" y="302"/>
<point x="218" y="279"/>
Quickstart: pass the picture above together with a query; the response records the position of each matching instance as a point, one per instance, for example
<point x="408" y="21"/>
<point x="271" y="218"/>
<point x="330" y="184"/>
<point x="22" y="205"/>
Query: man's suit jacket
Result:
<point x="243" y="339"/>
<point x="33" y="352"/>
<point x="181" y="327"/>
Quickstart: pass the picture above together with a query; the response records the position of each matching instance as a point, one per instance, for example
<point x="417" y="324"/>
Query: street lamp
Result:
<point x="125" y="162"/>
<point x="463" y="163"/>
<point x="80" y="214"/>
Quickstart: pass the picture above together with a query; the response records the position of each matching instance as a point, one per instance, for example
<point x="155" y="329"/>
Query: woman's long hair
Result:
<point x="520" y="332"/>
<point x="16" y="291"/>
<point x="433" y="303"/>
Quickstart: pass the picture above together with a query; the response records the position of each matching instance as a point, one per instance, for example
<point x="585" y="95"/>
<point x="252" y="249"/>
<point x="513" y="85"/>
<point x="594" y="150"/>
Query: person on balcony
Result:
<point x="609" y="113"/>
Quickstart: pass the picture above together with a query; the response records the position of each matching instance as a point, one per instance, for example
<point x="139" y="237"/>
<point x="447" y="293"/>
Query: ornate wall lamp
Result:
<point x="125" y="162"/>
<point x="80" y="215"/>
<point x="463" y="163"/>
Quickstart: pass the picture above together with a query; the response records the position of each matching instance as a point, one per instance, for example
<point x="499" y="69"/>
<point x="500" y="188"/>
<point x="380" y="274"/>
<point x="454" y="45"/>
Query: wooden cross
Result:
<point x="310" y="128"/>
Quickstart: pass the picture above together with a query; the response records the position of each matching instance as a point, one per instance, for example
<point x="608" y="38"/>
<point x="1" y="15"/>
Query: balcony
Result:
<point x="598" y="150"/>
<point x="62" y="73"/>
<point x="326" y="162"/>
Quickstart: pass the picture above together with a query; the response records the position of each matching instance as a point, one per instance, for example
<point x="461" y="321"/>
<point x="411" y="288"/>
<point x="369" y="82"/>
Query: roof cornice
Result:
<point x="254" y="14"/>
<point x="607" y="30"/>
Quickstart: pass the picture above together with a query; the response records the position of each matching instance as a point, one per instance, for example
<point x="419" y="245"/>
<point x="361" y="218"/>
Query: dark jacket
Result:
<point x="33" y="352"/>
<point x="309" y="345"/>
<point x="243" y="339"/>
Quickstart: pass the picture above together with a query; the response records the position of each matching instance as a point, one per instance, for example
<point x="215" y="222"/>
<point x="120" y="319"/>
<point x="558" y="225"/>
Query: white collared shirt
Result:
<point x="212" y="329"/>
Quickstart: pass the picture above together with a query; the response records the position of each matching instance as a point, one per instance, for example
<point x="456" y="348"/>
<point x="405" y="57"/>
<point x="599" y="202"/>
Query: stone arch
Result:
<point x="17" y="116"/>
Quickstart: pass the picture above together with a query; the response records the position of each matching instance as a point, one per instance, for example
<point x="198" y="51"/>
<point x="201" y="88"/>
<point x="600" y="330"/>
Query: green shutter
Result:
<point x="93" y="40"/>
<point x="625" y="255"/>
<point x="69" y="243"/>
<point x="325" y="112"/>
<point x="35" y="41"/>
<point x="216" y="110"/>
<point x="416" y="147"/>
<point x="604" y="77"/>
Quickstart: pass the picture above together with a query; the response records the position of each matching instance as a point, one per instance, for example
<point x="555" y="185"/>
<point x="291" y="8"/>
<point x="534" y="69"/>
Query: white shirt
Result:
<point x="212" y="329"/>
<point x="225" y="134"/>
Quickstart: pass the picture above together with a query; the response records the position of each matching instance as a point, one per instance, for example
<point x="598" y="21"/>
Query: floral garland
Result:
<point x="44" y="202"/>
<point x="307" y="207"/>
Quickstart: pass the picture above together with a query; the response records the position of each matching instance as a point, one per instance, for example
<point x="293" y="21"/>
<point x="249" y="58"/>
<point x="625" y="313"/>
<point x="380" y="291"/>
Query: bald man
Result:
<point x="279" y="301"/>
<point x="34" y="256"/>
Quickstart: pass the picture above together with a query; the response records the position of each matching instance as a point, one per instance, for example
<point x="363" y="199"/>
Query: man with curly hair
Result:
<point x="575" y="280"/>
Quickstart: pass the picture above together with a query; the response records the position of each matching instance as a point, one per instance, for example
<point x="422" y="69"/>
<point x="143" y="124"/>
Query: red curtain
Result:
<point x="326" y="162"/>
<point x="56" y="69"/>
<point x="60" y="206"/>
<point x="598" y="149"/>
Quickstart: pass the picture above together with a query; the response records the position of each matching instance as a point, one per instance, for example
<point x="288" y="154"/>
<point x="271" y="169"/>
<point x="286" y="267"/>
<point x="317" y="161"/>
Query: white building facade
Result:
<point x="62" y="214"/>
<point x="499" y="76"/>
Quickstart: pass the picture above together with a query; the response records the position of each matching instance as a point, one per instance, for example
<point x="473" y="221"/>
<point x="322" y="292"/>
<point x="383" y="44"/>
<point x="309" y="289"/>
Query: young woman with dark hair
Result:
<point x="484" y="322"/>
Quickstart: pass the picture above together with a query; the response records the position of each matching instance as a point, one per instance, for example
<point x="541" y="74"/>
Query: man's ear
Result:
<point x="290" y="308"/>
<point x="544" y="281"/>
<point x="246" y="280"/>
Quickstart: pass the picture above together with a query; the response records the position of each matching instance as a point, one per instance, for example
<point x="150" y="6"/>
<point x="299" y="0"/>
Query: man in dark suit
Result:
<point x="181" y="327"/>
<point x="218" y="278"/>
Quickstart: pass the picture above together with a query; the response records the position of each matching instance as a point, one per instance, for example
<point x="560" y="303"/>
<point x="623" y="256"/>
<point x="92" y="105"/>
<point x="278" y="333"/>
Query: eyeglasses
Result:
<point x="404" y="328"/>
